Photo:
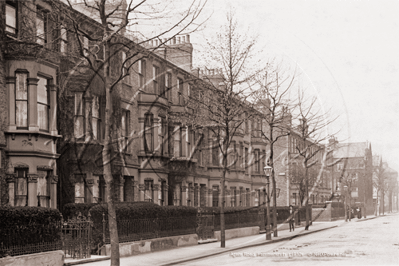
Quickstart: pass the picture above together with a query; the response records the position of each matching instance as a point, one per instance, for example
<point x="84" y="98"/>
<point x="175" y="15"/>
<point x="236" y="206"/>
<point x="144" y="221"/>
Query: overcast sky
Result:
<point x="347" y="52"/>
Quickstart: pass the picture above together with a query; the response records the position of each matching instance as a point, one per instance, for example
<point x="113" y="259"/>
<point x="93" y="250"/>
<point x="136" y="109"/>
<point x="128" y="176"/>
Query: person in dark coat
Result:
<point x="291" y="218"/>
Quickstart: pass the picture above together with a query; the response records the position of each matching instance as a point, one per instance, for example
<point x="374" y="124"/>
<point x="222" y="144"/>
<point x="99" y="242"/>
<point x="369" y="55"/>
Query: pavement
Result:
<point x="182" y="254"/>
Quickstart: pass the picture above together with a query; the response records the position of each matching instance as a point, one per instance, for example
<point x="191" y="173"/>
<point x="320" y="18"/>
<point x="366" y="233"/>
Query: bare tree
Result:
<point x="222" y="107"/>
<point x="312" y="134"/>
<point x="272" y="97"/>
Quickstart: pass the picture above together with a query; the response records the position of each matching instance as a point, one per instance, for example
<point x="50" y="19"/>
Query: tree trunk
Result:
<point x="275" y="233"/>
<point x="307" y="198"/>
<point x="271" y="163"/>
<point x="222" y="221"/>
<point x="112" y="223"/>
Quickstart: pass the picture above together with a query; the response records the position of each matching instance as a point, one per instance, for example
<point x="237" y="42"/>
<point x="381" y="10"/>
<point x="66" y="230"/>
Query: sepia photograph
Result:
<point x="199" y="132"/>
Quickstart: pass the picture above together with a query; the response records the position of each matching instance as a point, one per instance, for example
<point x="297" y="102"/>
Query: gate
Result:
<point x="76" y="237"/>
<point x="205" y="229"/>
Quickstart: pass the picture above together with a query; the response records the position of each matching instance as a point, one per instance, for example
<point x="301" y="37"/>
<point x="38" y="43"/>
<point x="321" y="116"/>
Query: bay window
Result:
<point x="43" y="104"/>
<point x="11" y="17"/>
<point x="21" y="100"/>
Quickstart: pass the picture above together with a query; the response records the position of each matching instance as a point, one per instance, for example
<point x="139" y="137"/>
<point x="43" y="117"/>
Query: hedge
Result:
<point x="29" y="225"/>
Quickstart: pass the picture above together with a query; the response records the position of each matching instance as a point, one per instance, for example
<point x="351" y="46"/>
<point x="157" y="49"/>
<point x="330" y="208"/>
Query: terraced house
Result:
<point x="54" y="129"/>
<point x="29" y="78"/>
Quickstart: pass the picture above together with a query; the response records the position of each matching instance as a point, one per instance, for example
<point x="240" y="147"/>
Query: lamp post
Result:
<point x="267" y="169"/>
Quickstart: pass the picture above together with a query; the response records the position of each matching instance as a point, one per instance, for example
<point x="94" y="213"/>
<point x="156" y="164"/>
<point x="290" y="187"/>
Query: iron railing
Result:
<point x="34" y="238"/>
<point x="77" y="237"/>
<point x="141" y="229"/>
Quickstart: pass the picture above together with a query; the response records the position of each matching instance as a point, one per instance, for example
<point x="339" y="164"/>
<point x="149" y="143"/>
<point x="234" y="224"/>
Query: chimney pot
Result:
<point x="178" y="40"/>
<point x="188" y="38"/>
<point x="183" y="39"/>
<point x="174" y="40"/>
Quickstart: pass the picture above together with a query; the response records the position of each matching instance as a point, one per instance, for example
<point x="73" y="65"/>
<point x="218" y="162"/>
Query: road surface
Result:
<point x="368" y="242"/>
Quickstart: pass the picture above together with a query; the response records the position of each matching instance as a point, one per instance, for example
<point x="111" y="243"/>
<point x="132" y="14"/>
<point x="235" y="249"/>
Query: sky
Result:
<point x="346" y="52"/>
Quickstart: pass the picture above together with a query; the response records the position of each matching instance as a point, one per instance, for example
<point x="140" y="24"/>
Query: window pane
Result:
<point x="42" y="183"/>
<point x="95" y="107"/>
<point x="64" y="39"/>
<point x="123" y="123"/>
<point x="78" y="104"/>
<point x="11" y="18"/>
<point x="63" y="33"/>
<point x="42" y="93"/>
<point x="42" y="116"/>
<point x="21" y="86"/>
<point x="63" y="48"/>
<point x="94" y="126"/>
<point x="148" y="124"/>
<point x="78" y="127"/>
<point x="21" y="113"/>
<point x="40" y="33"/>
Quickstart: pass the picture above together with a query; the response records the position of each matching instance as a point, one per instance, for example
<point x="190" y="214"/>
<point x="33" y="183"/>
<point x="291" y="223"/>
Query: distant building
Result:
<point x="352" y="176"/>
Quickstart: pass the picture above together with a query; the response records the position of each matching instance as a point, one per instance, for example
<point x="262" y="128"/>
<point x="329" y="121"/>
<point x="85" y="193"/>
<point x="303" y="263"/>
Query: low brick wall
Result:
<point x="238" y="232"/>
<point x="53" y="258"/>
<point x="322" y="214"/>
<point x="150" y="245"/>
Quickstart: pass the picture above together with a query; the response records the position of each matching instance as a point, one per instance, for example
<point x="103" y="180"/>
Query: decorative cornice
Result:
<point x="32" y="178"/>
<point x="44" y="167"/>
<point x="10" y="178"/>
<point x="54" y="179"/>
<point x="33" y="81"/>
<point x="11" y="80"/>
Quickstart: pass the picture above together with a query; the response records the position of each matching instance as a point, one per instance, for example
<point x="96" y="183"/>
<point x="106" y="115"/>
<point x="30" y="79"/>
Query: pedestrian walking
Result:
<point x="291" y="219"/>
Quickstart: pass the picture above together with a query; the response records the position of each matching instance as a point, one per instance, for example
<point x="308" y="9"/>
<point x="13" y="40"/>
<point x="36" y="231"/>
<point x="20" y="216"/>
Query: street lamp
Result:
<point x="267" y="169"/>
